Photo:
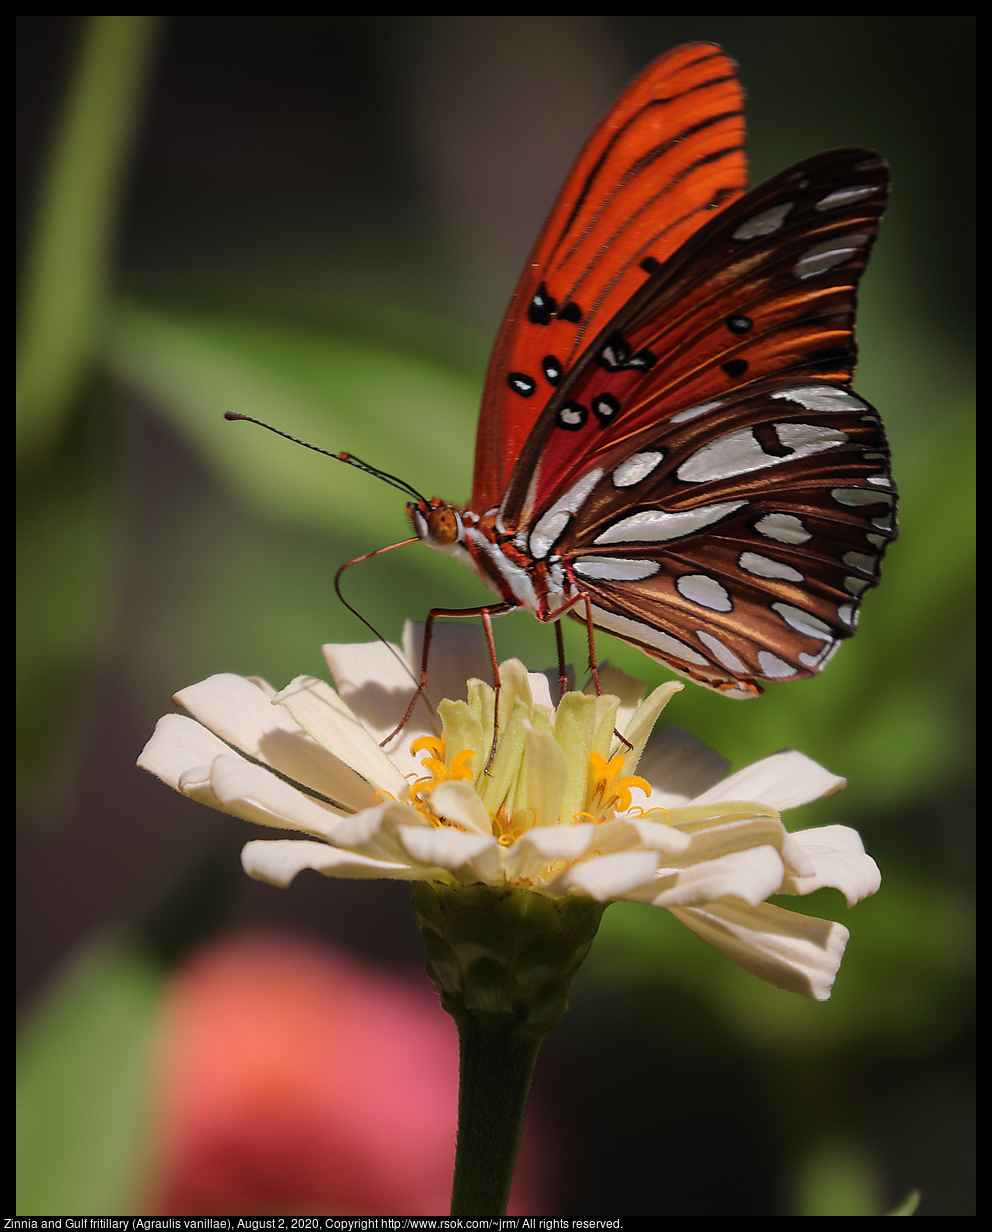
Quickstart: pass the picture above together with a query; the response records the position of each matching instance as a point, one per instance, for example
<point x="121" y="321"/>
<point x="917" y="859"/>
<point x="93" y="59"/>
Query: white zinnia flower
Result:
<point x="558" y="810"/>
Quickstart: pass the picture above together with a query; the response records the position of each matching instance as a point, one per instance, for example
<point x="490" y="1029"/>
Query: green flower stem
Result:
<point x="495" y="1069"/>
<point x="502" y="959"/>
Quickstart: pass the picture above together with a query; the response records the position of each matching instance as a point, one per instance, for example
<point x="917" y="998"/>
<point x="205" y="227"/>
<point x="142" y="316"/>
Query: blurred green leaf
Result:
<point x="63" y="593"/>
<point x="66" y="273"/>
<point x="404" y="414"/>
<point x="82" y="1078"/>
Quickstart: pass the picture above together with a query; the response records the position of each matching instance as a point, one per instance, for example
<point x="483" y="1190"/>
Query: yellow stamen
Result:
<point x="459" y="768"/>
<point x="435" y="743"/>
<point x="612" y="790"/>
<point x="506" y="830"/>
<point x="437" y="772"/>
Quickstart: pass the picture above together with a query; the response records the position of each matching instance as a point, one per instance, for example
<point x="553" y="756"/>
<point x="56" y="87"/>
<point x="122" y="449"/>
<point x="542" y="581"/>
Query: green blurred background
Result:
<point x="318" y="221"/>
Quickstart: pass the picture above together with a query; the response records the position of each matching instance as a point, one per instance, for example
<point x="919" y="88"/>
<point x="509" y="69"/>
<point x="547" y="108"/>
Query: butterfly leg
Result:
<point x="562" y="669"/>
<point x="593" y="665"/>
<point x="590" y="634"/>
<point x="486" y="613"/>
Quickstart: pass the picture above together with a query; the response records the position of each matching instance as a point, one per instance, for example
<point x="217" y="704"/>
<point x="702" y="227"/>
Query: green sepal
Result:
<point x="504" y="955"/>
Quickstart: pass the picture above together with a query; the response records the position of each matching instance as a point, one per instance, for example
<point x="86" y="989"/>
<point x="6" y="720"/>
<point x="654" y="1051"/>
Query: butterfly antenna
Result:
<point x="340" y="457"/>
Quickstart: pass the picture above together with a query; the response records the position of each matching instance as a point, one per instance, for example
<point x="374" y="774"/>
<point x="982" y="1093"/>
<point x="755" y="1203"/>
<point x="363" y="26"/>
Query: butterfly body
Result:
<point x="669" y="448"/>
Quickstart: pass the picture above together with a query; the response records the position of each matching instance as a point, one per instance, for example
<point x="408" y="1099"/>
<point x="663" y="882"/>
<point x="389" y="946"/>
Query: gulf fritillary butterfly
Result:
<point x="669" y="448"/>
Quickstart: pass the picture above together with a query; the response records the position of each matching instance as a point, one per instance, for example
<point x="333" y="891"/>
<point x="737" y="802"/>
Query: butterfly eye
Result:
<point x="442" y="525"/>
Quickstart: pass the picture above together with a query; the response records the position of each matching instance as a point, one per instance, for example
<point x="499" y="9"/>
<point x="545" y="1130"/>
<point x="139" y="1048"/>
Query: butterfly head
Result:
<point x="437" y="523"/>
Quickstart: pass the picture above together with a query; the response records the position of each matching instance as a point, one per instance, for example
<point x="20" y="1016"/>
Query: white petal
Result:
<point x="257" y="795"/>
<point x="711" y="837"/>
<point x="470" y="857"/>
<point x="540" y="689"/>
<point x="514" y="681"/>
<point x="373" y="680"/>
<point x="279" y="860"/>
<point x="657" y="835"/>
<point x="179" y="743"/>
<point x="457" y="801"/>
<point x="784" y="780"/>
<point x="797" y="952"/>
<point x="374" y="832"/>
<point x="238" y="710"/>
<point x="679" y="767"/>
<point x="194" y="783"/>
<point x="839" y="859"/>
<point x="333" y="725"/>
<point x="748" y="875"/>
<point x="378" y="681"/>
<point x="241" y="712"/>
<point x="543" y="845"/>
<point x="558" y="842"/>
<point x="608" y="877"/>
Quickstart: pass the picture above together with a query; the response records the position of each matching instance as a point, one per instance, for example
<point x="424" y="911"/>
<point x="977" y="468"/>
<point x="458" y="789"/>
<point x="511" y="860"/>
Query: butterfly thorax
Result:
<point x="496" y="554"/>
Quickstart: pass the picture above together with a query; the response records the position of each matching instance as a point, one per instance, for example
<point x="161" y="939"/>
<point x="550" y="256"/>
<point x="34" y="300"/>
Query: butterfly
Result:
<point x="669" y="448"/>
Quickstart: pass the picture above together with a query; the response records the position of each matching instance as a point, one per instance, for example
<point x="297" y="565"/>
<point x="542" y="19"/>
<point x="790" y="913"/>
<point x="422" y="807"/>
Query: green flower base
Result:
<point x="503" y="954"/>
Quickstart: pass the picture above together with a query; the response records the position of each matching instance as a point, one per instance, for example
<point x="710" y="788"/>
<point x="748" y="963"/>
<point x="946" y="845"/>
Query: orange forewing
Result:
<point x="663" y="161"/>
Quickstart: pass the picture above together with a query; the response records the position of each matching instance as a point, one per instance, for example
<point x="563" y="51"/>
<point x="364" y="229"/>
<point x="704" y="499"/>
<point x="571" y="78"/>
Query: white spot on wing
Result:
<point x="773" y="667"/>
<point x="846" y="196"/>
<point x="822" y="398"/>
<point x="803" y="622"/>
<point x="723" y="654"/>
<point x="649" y="635"/>
<point x="554" y="520"/>
<point x="704" y="590"/>
<point x="859" y="496"/>
<point x="739" y="452"/>
<point x="546" y="532"/>
<point x="693" y="412"/>
<point x="763" y="566"/>
<point x="614" y="569"/>
<point x="657" y="526"/>
<point x="860" y="560"/>
<point x="829" y="254"/>
<point x="782" y="527"/>
<point x="821" y="658"/>
<point x="763" y="224"/>
<point x="637" y="467"/>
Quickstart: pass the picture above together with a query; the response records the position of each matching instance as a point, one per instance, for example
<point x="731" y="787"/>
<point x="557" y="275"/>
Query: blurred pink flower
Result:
<point x="294" y="1080"/>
